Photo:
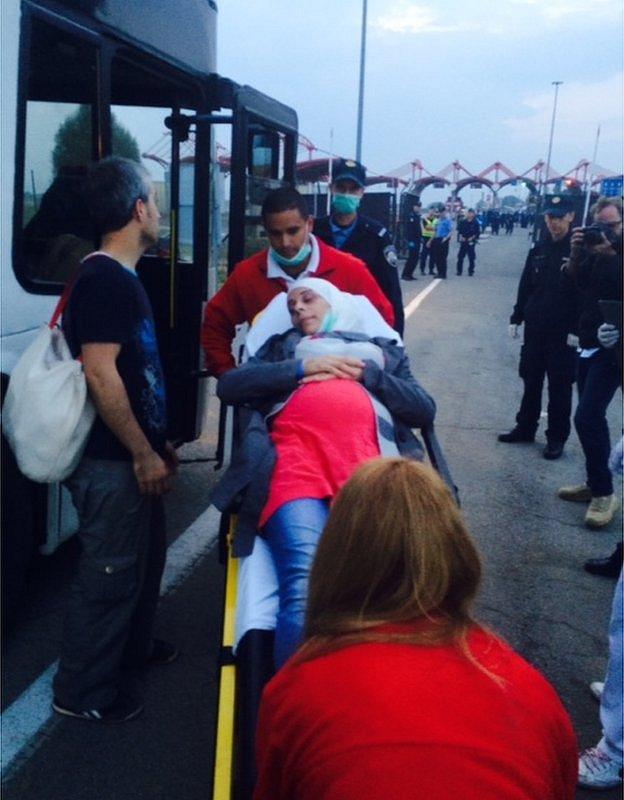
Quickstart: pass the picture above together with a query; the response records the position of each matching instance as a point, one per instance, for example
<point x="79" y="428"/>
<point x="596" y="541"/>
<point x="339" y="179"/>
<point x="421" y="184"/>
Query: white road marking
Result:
<point x="25" y="717"/>
<point x="413" y="304"/>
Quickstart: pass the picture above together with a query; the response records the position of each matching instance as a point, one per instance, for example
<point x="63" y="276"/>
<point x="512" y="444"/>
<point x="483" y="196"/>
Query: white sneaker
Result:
<point x="580" y="493"/>
<point x="601" y="511"/>
<point x="596" y="688"/>
<point x="597" y="770"/>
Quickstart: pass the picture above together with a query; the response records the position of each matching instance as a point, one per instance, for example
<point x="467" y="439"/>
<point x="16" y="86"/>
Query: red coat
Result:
<point x="389" y="721"/>
<point x="248" y="290"/>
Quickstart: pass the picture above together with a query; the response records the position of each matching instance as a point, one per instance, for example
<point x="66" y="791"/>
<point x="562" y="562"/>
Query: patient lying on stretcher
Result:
<point x="332" y="391"/>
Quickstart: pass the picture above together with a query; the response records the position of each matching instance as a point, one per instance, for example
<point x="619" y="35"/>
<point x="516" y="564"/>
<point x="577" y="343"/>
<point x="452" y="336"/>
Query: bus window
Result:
<point x="140" y="134"/>
<point x="58" y="147"/>
<point x="265" y="172"/>
<point x="220" y="190"/>
<point x="186" y="203"/>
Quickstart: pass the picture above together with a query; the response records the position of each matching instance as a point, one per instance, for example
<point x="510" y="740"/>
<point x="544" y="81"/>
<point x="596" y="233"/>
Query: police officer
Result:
<point x="361" y="236"/>
<point x="547" y="304"/>
<point x="468" y="231"/>
<point x="413" y="233"/>
<point x="428" y="227"/>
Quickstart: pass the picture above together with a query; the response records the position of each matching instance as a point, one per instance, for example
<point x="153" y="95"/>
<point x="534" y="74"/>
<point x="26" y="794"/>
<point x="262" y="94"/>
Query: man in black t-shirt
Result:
<point x="127" y="464"/>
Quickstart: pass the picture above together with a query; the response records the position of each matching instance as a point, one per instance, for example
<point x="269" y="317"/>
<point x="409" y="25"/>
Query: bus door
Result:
<point x="173" y="272"/>
<point x="264" y="150"/>
<point x="253" y="143"/>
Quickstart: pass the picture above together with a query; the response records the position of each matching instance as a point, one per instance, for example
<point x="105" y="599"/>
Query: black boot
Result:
<point x="516" y="435"/>
<point x="608" y="567"/>
<point x="553" y="450"/>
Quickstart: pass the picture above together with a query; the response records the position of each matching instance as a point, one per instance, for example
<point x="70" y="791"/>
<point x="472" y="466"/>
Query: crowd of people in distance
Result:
<point x="387" y="685"/>
<point x="428" y="236"/>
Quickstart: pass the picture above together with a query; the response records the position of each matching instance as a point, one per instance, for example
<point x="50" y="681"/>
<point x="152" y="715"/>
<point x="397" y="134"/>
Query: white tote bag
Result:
<point x="47" y="414"/>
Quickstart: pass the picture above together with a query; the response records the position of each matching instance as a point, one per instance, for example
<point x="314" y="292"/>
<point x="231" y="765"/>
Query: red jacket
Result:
<point x="248" y="290"/>
<point x="385" y="721"/>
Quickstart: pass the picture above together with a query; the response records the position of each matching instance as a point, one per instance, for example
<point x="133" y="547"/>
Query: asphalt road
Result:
<point x="535" y="592"/>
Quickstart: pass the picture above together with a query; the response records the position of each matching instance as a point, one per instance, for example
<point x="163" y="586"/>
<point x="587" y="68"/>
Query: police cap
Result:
<point x="558" y="205"/>
<point x="349" y="170"/>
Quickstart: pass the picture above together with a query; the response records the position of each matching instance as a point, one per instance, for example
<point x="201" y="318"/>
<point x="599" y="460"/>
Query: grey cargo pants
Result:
<point x="113" y="596"/>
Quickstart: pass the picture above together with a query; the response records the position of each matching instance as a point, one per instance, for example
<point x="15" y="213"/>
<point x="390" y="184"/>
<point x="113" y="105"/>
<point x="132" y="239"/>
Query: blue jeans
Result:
<point x="611" y="701"/>
<point x="598" y="380"/>
<point x="292" y="533"/>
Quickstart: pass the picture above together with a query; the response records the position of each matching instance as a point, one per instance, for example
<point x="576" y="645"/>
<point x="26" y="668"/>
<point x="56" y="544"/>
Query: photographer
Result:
<point x="595" y="265"/>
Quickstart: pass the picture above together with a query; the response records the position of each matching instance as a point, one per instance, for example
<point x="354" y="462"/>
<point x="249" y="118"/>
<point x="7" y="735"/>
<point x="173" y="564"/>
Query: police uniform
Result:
<point x="413" y="233"/>
<point x="547" y="304"/>
<point x="468" y="232"/>
<point x="428" y="226"/>
<point x="369" y="241"/>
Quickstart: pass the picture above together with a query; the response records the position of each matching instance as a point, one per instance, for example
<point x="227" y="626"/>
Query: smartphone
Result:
<point x="611" y="312"/>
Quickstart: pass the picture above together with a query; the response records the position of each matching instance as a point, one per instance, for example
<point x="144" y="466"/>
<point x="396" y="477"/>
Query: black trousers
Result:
<point x="546" y="355"/>
<point x="426" y="253"/>
<point x="466" y="249"/>
<point x="412" y="260"/>
<point x="440" y="256"/>
<point x="598" y="378"/>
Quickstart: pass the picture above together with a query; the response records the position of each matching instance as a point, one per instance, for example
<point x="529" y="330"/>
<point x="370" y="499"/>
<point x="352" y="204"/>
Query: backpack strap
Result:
<point x="60" y="306"/>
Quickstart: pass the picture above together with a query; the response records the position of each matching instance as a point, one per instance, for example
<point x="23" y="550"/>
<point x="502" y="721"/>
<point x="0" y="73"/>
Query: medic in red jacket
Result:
<point x="293" y="253"/>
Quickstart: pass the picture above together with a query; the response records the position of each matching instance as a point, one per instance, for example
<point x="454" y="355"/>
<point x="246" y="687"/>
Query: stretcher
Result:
<point x="250" y="604"/>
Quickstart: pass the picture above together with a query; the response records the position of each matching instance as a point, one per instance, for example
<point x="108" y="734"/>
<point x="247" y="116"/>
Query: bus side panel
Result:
<point x="22" y="313"/>
<point x="148" y="24"/>
<point x="24" y="503"/>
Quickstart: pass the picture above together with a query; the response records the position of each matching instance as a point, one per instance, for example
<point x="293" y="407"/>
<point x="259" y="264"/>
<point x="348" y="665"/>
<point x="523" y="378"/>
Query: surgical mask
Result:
<point x="297" y="259"/>
<point x="345" y="203"/>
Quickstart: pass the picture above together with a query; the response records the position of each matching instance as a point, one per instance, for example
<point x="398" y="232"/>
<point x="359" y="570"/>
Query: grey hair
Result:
<point x="113" y="187"/>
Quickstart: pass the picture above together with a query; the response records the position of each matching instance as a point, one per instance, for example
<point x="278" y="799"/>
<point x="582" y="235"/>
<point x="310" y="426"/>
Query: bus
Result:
<point x="84" y="79"/>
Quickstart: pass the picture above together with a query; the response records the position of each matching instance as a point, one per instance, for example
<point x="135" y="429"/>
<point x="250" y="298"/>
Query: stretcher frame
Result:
<point x="242" y="677"/>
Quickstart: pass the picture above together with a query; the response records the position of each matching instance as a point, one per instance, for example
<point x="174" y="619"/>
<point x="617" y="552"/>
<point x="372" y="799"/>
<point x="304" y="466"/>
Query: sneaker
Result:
<point x="580" y="493"/>
<point x="596" y="688"/>
<point x="597" y="770"/>
<point x="162" y="653"/>
<point x="122" y="709"/>
<point x="601" y="511"/>
<point x="516" y="435"/>
<point x="553" y="450"/>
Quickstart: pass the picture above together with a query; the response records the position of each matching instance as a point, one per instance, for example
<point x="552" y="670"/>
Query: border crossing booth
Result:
<point x="85" y="79"/>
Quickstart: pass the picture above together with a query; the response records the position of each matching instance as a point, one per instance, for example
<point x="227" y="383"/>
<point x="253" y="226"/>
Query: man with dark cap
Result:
<point x="547" y="304"/>
<point x="468" y="231"/>
<point x="361" y="236"/>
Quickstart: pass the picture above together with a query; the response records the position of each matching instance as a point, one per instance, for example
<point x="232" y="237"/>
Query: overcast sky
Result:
<point x="465" y="80"/>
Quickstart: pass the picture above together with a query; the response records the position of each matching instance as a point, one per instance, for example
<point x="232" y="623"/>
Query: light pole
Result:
<point x="358" y="144"/>
<point x="556" y="84"/>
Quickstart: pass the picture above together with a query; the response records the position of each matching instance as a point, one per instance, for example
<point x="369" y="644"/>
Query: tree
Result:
<point x="72" y="141"/>
<point x="511" y="200"/>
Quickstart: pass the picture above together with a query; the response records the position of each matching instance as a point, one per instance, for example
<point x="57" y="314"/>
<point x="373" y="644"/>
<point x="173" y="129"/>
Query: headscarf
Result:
<point x="343" y="314"/>
<point x="349" y="313"/>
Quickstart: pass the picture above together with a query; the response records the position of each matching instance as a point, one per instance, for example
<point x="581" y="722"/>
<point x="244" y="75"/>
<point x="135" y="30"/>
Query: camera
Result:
<point x="593" y="235"/>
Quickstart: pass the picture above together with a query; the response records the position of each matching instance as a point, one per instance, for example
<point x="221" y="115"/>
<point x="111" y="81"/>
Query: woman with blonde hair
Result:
<point x="397" y="692"/>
